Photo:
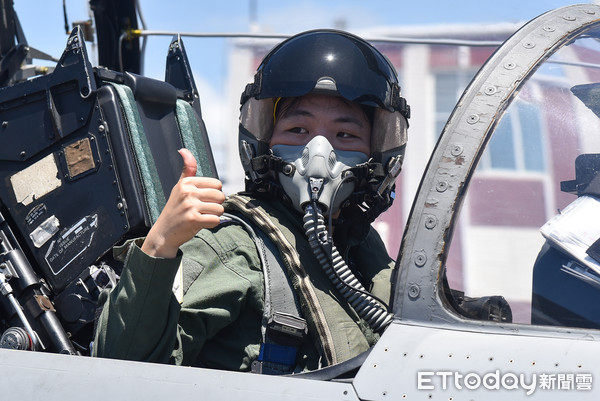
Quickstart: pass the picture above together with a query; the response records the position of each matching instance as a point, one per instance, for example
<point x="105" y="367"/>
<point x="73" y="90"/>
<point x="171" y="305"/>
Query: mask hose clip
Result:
<point x="316" y="187"/>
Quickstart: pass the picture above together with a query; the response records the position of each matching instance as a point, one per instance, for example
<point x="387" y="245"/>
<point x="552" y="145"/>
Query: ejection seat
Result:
<point x="88" y="157"/>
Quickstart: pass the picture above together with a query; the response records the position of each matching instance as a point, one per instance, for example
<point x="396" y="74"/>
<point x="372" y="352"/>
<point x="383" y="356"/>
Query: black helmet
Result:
<point x="330" y="62"/>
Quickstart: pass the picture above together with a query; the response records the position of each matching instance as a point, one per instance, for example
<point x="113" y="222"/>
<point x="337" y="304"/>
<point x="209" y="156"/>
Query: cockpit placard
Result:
<point x="72" y="243"/>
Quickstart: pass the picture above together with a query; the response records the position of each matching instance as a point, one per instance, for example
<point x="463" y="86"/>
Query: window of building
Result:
<point x="517" y="141"/>
<point x="449" y="86"/>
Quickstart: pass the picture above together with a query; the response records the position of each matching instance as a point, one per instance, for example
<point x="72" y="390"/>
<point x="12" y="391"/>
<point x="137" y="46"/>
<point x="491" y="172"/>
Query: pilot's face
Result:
<point x="343" y="123"/>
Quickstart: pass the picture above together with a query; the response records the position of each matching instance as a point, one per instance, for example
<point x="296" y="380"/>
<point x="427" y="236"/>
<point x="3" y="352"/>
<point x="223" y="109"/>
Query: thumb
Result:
<point x="189" y="163"/>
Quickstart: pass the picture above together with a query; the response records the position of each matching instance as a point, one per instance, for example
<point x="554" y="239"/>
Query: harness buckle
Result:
<point x="284" y="336"/>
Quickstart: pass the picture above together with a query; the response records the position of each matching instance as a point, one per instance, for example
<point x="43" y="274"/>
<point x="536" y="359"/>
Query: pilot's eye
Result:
<point x="298" y="130"/>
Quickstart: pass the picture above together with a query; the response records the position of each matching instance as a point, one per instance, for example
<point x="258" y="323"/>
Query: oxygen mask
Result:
<point x="318" y="180"/>
<point x="318" y="173"/>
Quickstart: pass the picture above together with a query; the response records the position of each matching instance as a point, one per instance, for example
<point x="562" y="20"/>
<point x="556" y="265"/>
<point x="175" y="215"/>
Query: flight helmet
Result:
<point x="334" y="63"/>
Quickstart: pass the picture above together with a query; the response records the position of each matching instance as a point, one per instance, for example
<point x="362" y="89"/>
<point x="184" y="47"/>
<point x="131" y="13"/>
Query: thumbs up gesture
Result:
<point x="195" y="203"/>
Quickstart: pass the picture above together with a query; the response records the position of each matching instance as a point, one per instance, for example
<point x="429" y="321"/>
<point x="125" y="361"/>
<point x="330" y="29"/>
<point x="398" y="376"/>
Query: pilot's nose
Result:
<point x="325" y="133"/>
<point x="319" y="157"/>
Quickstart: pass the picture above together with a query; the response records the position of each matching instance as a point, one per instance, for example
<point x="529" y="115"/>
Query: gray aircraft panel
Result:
<point x="411" y="361"/>
<point x="52" y="377"/>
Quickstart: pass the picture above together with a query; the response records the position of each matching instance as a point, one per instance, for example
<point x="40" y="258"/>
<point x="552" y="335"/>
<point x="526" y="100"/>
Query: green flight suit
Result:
<point x="218" y="324"/>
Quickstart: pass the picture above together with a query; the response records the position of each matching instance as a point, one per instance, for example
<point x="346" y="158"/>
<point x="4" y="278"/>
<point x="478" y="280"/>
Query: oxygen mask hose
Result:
<point x="368" y="307"/>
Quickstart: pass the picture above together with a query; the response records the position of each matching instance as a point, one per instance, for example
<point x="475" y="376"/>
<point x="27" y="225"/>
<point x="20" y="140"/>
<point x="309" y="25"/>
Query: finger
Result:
<point x="189" y="163"/>
<point x="204" y="216"/>
<point x="210" y="220"/>
<point x="204" y="182"/>
<point x="210" y="195"/>
<point x="210" y="209"/>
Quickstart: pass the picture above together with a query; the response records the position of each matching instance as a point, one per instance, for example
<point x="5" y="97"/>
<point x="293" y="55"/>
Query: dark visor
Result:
<point x="360" y="73"/>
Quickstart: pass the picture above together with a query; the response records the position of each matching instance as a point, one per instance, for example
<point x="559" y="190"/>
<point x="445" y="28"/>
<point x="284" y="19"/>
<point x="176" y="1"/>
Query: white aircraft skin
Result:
<point x="429" y="352"/>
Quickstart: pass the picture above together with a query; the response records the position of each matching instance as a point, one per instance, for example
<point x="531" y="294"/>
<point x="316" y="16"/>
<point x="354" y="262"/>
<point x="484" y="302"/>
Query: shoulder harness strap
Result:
<point x="289" y="254"/>
<point x="283" y="328"/>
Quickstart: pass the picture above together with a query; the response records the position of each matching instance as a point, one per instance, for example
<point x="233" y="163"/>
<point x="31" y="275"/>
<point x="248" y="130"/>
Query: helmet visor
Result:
<point x="361" y="74"/>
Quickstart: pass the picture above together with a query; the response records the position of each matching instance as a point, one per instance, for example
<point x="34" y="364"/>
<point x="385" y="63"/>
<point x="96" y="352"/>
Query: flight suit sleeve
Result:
<point x="139" y="319"/>
<point x="143" y="320"/>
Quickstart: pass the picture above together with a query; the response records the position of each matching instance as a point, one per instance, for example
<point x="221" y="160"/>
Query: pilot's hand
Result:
<point x="195" y="203"/>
